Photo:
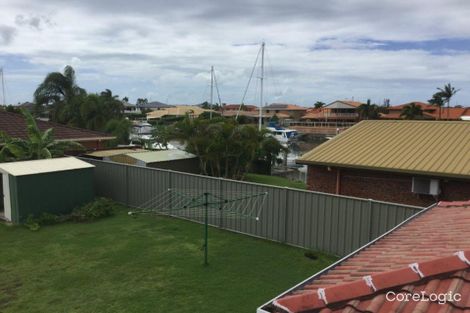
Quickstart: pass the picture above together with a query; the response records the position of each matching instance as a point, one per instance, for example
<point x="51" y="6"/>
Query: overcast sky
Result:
<point x="315" y="50"/>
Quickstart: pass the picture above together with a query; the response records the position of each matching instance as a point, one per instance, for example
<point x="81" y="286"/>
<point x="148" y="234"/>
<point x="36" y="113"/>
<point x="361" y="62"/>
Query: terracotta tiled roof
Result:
<point x="285" y="106"/>
<point x="353" y="103"/>
<point x="14" y="125"/>
<point x="428" y="241"/>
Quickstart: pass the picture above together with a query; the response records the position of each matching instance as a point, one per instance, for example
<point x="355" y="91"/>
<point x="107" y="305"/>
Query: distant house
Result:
<point x="131" y="109"/>
<point x="180" y="110"/>
<point x="14" y="125"/>
<point x="422" y="259"/>
<point x="294" y="111"/>
<point x="155" y="105"/>
<point x="235" y="107"/>
<point x="336" y="111"/>
<point x="412" y="162"/>
<point x="430" y="112"/>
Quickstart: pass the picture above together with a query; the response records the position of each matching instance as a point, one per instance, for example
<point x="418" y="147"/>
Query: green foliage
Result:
<point x="319" y="104"/>
<point x="98" y="208"/>
<point x="368" y="111"/>
<point x="101" y="207"/>
<point x="31" y="223"/>
<point x="120" y="128"/>
<point x="69" y="104"/>
<point x="224" y="147"/>
<point x="38" y="144"/>
<point x="412" y="111"/>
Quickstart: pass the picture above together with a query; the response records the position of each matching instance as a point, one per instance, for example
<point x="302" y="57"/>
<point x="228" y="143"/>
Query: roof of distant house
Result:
<point x="285" y="107"/>
<point x="255" y="114"/>
<point x="427" y="253"/>
<point x="113" y="152"/>
<point x="180" y="110"/>
<point x="342" y="104"/>
<point x="14" y="125"/>
<point x="155" y="105"/>
<point x="429" y="111"/>
<point x="235" y="107"/>
<point x="437" y="148"/>
<point x="32" y="167"/>
<point x="161" y="156"/>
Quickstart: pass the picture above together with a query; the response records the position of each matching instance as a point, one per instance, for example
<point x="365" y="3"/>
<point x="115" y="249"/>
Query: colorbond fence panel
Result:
<point x="313" y="220"/>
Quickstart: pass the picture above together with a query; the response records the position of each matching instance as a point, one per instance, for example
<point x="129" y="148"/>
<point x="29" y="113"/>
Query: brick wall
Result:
<point x="384" y="186"/>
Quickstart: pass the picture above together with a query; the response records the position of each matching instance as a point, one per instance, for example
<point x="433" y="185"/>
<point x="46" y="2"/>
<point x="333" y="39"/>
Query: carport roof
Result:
<point x="22" y="168"/>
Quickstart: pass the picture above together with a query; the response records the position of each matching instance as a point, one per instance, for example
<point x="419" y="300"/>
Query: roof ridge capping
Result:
<point x="375" y="283"/>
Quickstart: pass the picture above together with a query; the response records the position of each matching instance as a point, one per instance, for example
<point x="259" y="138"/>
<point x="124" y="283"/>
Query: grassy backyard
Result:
<point x="147" y="264"/>
<point x="274" y="180"/>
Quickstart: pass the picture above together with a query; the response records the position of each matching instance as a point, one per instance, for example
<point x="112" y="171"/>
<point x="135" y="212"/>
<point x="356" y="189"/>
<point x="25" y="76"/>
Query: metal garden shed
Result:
<point x="54" y="186"/>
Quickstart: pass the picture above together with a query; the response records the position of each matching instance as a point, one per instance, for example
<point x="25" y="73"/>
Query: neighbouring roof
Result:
<point x="255" y="114"/>
<point x="155" y="105"/>
<point x="14" y="125"/>
<point x="429" y="111"/>
<point x="161" y="156"/>
<point x="342" y="104"/>
<point x="284" y="106"/>
<point x="246" y="107"/>
<point x="22" y="168"/>
<point x="112" y="152"/>
<point x="180" y="110"/>
<point x="429" y="253"/>
<point x="435" y="148"/>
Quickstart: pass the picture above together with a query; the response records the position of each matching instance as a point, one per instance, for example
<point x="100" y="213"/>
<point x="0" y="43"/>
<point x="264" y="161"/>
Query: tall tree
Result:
<point x="319" y="104"/>
<point x="368" y="111"/>
<point x="56" y="91"/>
<point x="411" y="111"/>
<point x="437" y="101"/>
<point x="447" y="92"/>
<point x="38" y="144"/>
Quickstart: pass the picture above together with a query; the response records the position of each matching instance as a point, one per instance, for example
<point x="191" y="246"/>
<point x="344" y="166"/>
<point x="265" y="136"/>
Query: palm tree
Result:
<point x="411" y="111"/>
<point x="57" y="90"/>
<point x="369" y="111"/>
<point x="447" y="93"/>
<point x="38" y="144"/>
<point x="438" y="101"/>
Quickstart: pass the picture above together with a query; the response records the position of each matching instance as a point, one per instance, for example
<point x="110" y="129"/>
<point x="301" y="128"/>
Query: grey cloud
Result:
<point x="7" y="34"/>
<point x="33" y="21"/>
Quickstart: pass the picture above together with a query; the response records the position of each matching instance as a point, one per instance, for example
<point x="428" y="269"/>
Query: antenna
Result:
<point x="3" y="86"/>
<point x="261" y="88"/>
<point x="212" y="91"/>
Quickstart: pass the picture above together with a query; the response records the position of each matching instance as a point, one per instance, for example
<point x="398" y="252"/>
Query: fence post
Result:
<point x="169" y="191"/>
<point x="221" y="215"/>
<point x="286" y="212"/>
<point x="127" y="185"/>
<point x="370" y="219"/>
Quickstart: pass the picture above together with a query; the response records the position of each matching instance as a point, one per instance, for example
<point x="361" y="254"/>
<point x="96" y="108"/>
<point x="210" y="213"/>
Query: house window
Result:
<point x="425" y="186"/>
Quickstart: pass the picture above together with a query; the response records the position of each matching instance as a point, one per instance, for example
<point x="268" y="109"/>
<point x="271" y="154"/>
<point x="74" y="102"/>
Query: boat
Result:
<point x="283" y="135"/>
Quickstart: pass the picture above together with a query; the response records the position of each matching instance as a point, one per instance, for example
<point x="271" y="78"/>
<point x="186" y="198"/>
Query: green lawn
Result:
<point x="147" y="264"/>
<point x="274" y="180"/>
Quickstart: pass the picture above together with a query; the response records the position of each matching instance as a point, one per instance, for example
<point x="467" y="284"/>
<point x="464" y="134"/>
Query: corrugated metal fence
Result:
<point x="335" y="224"/>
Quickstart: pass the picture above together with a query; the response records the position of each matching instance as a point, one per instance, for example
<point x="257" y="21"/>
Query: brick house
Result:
<point x="411" y="162"/>
<point x="14" y="125"/>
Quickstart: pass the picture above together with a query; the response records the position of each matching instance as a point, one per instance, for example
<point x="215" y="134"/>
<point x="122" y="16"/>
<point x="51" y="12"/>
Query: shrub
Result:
<point x="99" y="208"/>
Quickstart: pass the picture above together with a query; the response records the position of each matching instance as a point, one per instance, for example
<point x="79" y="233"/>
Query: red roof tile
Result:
<point x="14" y="125"/>
<point x="417" y="256"/>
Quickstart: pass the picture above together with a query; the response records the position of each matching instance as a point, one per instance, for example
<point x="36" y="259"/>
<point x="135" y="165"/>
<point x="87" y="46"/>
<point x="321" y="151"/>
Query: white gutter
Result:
<point x="326" y="269"/>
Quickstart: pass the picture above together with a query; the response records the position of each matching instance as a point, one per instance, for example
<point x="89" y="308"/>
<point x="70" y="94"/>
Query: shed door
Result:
<point x="5" y="206"/>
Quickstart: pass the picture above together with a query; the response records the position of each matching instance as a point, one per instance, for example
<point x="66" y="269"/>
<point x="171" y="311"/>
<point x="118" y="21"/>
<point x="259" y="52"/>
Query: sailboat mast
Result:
<point x="3" y="86"/>
<point x="261" y="89"/>
<point x="212" y="91"/>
